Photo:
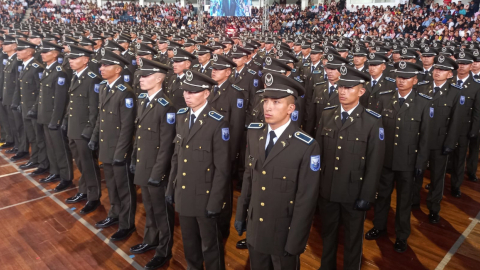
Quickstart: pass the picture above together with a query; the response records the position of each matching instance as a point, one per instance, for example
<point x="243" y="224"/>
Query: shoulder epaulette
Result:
<point x="103" y="82"/>
<point x="425" y="96"/>
<point x="142" y="95"/>
<point x="182" y="110"/>
<point x="256" y="63"/>
<point x="366" y="70"/>
<point x="35" y="65"/>
<point x="121" y="87"/>
<point x="210" y="68"/>
<point x="196" y="65"/>
<point x="456" y="86"/>
<point x="331" y="107"/>
<point x="260" y="91"/>
<point x="316" y="72"/>
<point x="94" y="61"/>
<point x="298" y="79"/>
<point x="237" y="87"/>
<point x="92" y="75"/>
<point x="59" y="68"/>
<point x="306" y="64"/>
<point x="385" y="92"/>
<point x="390" y="65"/>
<point x="373" y="113"/>
<point x="252" y="72"/>
<point x="476" y="80"/>
<point x="256" y="125"/>
<point x="131" y="53"/>
<point x="215" y="115"/>
<point x="303" y="137"/>
<point x="422" y="83"/>
<point x="163" y="102"/>
<point x="318" y="83"/>
<point x="294" y="70"/>
<point x="390" y="79"/>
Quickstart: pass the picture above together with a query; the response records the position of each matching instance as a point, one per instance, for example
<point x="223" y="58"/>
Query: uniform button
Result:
<point x="101" y="130"/>
<point x="208" y="169"/>
<point x="337" y="158"/>
<point x="339" y="147"/>
<point x="139" y="126"/>
<point x="361" y="178"/>
<point x="184" y="174"/>
<point x="102" y="120"/>
<point x="398" y="119"/>
<point x="284" y="177"/>
<point x="291" y="202"/>
<point x="250" y="164"/>
<point x="263" y="188"/>
<point x="262" y="204"/>
<point x="356" y="139"/>
<point x="336" y="168"/>
<point x="103" y="109"/>
<point x="264" y="172"/>
<point x="138" y="160"/>
<point x="185" y="160"/>
<point x="341" y="138"/>
<point x="139" y="149"/>
<point x="139" y="137"/>
<point x="183" y="187"/>
<point x="395" y="143"/>
<point x="396" y="135"/>
<point x="398" y="128"/>
<point x="186" y="146"/>
<point x="261" y="219"/>
<point x="148" y="128"/>
<point x="101" y="140"/>
<point x="208" y="191"/>
<point x="412" y="119"/>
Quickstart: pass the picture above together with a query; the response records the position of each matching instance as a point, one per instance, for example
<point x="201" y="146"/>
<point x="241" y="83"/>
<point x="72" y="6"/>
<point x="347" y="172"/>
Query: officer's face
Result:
<point x="297" y="48"/>
<point x="350" y="95"/>
<point x="218" y="51"/>
<point x="98" y="44"/>
<point x="464" y="68"/>
<point x="162" y="46"/>
<point x="277" y="111"/>
<point x="396" y="57"/>
<point x="49" y="57"/>
<point x="220" y="75"/>
<point x="109" y="72"/>
<point x="315" y="57"/>
<point x="203" y="59"/>
<point x="24" y="54"/>
<point x="359" y="60"/>
<point x="411" y="60"/>
<point x="343" y="54"/>
<point x="35" y="41"/>
<point x="440" y="75"/>
<point x="428" y="60"/>
<point x="150" y="82"/>
<point x="178" y="67"/>
<point x="170" y="53"/>
<point x="79" y="63"/>
<point x="476" y="67"/>
<point x="333" y="75"/>
<point x="306" y="52"/>
<point x="190" y="49"/>
<point x="268" y="46"/>
<point x="240" y="61"/>
<point x="405" y="84"/>
<point x="196" y="100"/>
<point x="376" y="70"/>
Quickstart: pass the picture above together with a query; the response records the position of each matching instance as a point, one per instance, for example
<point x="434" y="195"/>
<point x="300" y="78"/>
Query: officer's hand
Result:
<point x="13" y="107"/>
<point x="64" y="127"/>
<point x="52" y="126"/>
<point x="85" y="137"/>
<point x="132" y="168"/>
<point x="240" y="227"/>
<point x="118" y="162"/>
<point x="418" y="172"/>
<point x="169" y="199"/>
<point x="32" y="114"/>
<point x="19" y="108"/>
<point x="210" y="214"/>
<point x="152" y="182"/>
<point x="361" y="205"/>
<point x="446" y="151"/>
<point x="286" y="254"/>
<point x="92" y="145"/>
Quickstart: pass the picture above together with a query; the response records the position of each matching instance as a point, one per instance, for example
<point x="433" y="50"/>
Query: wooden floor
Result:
<point x="38" y="231"/>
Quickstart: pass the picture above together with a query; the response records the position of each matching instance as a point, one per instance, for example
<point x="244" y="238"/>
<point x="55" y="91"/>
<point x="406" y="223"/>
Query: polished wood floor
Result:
<point x="38" y="231"/>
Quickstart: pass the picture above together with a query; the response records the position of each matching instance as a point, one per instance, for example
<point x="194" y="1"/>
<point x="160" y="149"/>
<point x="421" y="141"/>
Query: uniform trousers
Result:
<point x="202" y="242"/>
<point x="16" y="129"/>
<point x="58" y="152"/>
<point x="458" y="162"/>
<point x="5" y="124"/>
<point x="262" y="261"/>
<point x="36" y="139"/>
<point x="332" y="213"/>
<point x="405" y="184"/>
<point x="472" y="159"/>
<point x="87" y="164"/>
<point x="121" y="193"/>
<point x="160" y="220"/>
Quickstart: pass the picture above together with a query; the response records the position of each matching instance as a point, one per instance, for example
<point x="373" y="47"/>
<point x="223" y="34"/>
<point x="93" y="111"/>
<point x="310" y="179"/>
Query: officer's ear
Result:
<point x="361" y="89"/>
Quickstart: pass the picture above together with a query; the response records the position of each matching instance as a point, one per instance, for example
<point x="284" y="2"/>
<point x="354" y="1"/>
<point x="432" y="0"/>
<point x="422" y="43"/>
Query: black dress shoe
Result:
<point x="456" y="192"/>
<point x="141" y="248"/>
<point x="400" y="246"/>
<point x="28" y="165"/>
<point x="157" y="262"/>
<point x="11" y="151"/>
<point x="473" y="178"/>
<point x="77" y="198"/>
<point x="39" y="171"/>
<point x="434" y="218"/>
<point x="62" y="186"/>
<point x="374" y="233"/>
<point x="89" y="207"/>
<point x="427" y="186"/>
<point x="106" y="222"/>
<point x="122" y="234"/>
<point x="7" y="145"/>
<point x="19" y="155"/>
<point x="50" y="178"/>
<point x="242" y="244"/>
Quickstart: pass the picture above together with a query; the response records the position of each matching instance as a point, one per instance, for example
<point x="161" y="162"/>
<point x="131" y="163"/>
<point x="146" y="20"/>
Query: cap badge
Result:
<point x="372" y="56"/>
<point x="102" y="51"/>
<point x="215" y="57"/>
<point x="189" y="75"/>
<point x="330" y="57"/>
<point x="343" y="70"/>
<point x="404" y="51"/>
<point x="268" y="79"/>
<point x="441" y="59"/>
<point x="174" y="51"/>
<point x="140" y="62"/>
<point x="280" y="53"/>
<point x="402" y="65"/>
<point x="461" y="55"/>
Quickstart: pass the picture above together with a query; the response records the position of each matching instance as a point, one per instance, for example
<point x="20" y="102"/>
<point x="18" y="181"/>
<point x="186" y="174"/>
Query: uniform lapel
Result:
<point x="338" y="117"/>
<point x="353" y="116"/>
<point x="396" y="104"/>
<point x="409" y="101"/>
<point x="262" y="143"/>
<point x="199" y="123"/>
<point x="220" y="91"/>
<point x="109" y="94"/>
<point x="281" y="144"/>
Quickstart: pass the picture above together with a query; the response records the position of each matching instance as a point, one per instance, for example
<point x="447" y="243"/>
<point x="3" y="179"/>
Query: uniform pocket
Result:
<point x="328" y="136"/>
<point x="285" y="179"/>
<point x="359" y="142"/>
<point x="356" y="178"/>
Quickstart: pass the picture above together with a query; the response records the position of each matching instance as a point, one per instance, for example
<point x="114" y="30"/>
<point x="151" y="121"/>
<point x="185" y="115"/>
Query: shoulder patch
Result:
<point x="182" y="110"/>
<point x="373" y="113"/>
<point x="92" y="75"/>
<point x="385" y="92"/>
<point x="390" y="79"/>
<point x="294" y="70"/>
<point x="260" y="91"/>
<point x="425" y="96"/>
<point x="59" y="68"/>
<point x="298" y="79"/>
<point x="35" y="65"/>
<point x="215" y="115"/>
<point x="252" y="71"/>
<point x="142" y="95"/>
<point x="121" y="87"/>
<point x="196" y="65"/>
<point x="476" y="80"/>
<point x="331" y="107"/>
<point x="456" y="86"/>
<point x="422" y="83"/>
<point x="163" y="102"/>
<point x="256" y="125"/>
<point x="303" y="137"/>
<point x="306" y="64"/>
<point x="103" y="82"/>
<point x="237" y="87"/>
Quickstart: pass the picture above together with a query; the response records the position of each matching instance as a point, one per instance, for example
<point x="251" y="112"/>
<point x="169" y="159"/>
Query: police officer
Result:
<point x="200" y="174"/>
<point x="474" y="144"/>
<point x="379" y="83"/>
<point x="146" y="52"/>
<point x="54" y="83"/>
<point x="406" y="118"/>
<point x="113" y="137"/>
<point x="283" y="162"/>
<point x="28" y="88"/>
<point x="6" y="135"/>
<point x="428" y="56"/>
<point x="126" y="75"/>
<point x="79" y="122"/>
<point x="352" y="148"/>
<point x="151" y="160"/>
<point x="182" y="60"/>
<point x="204" y="55"/>
<point x="128" y="54"/>
<point x="163" y="43"/>
<point x="360" y="54"/>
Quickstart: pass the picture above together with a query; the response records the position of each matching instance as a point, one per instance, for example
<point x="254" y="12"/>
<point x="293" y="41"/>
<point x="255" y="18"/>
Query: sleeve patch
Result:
<point x="35" y="65"/>
<point x="59" y="68"/>
<point x="315" y="163"/>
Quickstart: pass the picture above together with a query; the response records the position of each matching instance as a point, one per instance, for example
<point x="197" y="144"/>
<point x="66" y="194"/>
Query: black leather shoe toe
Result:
<point x="122" y="234"/>
<point x="473" y="178"/>
<point x="141" y="248"/>
<point x="89" y="207"/>
<point x="456" y="193"/>
<point x="374" y="233"/>
<point x="400" y="246"/>
<point x="79" y="197"/>
<point x="157" y="262"/>
<point x="11" y="151"/>
<point x="39" y="171"/>
<point x="106" y="222"/>
<point x="62" y="186"/>
<point x="50" y="178"/>
<point x="242" y="244"/>
<point x="28" y="165"/>
<point x="19" y="155"/>
<point x="434" y="218"/>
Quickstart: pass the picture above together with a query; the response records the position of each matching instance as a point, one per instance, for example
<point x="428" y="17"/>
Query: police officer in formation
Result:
<point x="309" y="122"/>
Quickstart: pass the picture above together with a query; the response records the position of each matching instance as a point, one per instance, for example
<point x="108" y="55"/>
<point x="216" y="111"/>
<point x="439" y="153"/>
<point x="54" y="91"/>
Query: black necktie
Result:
<point x="401" y="101"/>
<point x="201" y="70"/>
<point x="436" y="89"/>
<point x="311" y="70"/>
<point x="460" y="82"/>
<point x="332" y="88"/>
<point x="107" y="88"/>
<point x="374" y="82"/>
<point x="215" y="90"/>
<point x="147" y="101"/>
<point x="270" y="143"/>
<point x="303" y="60"/>
<point x="192" y="120"/>
<point x="344" y="117"/>
<point x="476" y="76"/>
<point x="236" y="75"/>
